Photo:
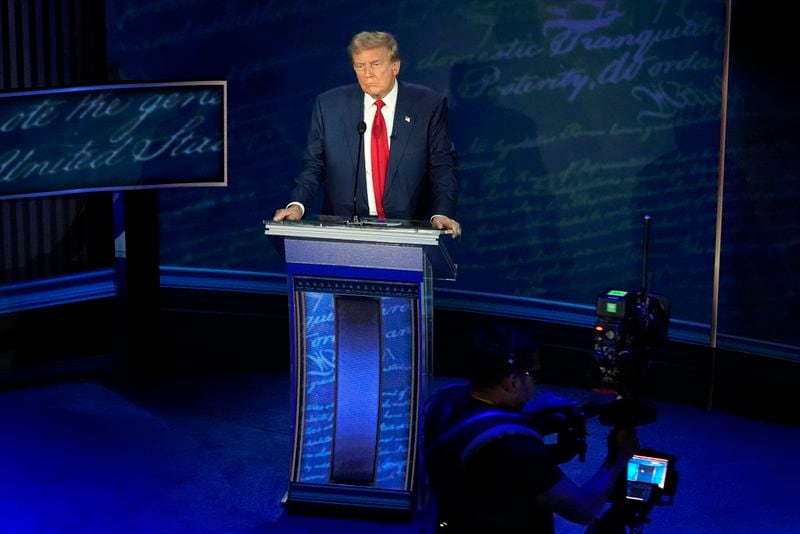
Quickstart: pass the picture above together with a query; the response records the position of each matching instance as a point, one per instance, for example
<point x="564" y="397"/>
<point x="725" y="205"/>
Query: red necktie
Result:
<point x="380" y="157"/>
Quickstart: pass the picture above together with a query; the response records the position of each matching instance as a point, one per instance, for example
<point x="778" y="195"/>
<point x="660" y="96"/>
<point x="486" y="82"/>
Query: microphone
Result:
<point x="361" y="127"/>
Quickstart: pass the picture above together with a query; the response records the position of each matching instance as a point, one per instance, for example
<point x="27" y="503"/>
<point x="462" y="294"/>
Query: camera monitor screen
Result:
<point x="645" y="473"/>
<point x="113" y="137"/>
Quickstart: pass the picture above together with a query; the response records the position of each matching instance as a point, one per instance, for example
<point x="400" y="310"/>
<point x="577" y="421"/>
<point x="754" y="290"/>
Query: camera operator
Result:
<point x="489" y="469"/>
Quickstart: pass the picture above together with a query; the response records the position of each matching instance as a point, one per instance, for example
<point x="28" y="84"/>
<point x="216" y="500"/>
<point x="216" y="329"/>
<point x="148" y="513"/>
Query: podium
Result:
<point x="361" y="325"/>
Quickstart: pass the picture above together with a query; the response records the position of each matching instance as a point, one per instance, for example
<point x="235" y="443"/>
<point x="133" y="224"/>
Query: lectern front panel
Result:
<point x="361" y="308"/>
<point x="356" y="372"/>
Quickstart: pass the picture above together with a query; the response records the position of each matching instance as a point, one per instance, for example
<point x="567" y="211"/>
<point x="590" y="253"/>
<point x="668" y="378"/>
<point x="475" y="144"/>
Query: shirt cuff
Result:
<point x="302" y="208"/>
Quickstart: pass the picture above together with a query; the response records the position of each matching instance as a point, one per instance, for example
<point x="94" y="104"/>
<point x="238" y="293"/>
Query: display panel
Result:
<point x="648" y="470"/>
<point x="113" y="137"/>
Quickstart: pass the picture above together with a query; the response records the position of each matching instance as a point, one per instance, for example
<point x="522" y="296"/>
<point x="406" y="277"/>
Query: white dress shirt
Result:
<point x="390" y="105"/>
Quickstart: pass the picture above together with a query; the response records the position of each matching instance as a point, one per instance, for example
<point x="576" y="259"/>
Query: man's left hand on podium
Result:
<point x="440" y="222"/>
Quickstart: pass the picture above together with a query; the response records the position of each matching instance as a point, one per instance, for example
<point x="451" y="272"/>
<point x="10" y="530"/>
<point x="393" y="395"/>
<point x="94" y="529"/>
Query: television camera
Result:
<point x="651" y="476"/>
<point x="628" y="325"/>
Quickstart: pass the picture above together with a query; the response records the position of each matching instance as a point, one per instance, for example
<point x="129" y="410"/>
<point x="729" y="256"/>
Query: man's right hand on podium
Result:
<point x="292" y="212"/>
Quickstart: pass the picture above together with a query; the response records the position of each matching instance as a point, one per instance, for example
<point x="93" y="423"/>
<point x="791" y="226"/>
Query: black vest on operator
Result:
<point x="457" y="428"/>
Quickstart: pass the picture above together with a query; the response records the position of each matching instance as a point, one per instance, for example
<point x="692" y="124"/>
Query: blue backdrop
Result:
<point x="572" y="120"/>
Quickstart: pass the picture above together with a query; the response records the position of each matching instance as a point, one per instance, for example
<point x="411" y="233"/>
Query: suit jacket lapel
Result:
<point x="351" y="118"/>
<point x="402" y="126"/>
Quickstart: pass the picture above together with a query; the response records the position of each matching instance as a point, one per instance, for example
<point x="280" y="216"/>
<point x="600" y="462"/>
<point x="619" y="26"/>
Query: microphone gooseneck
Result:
<point x="361" y="127"/>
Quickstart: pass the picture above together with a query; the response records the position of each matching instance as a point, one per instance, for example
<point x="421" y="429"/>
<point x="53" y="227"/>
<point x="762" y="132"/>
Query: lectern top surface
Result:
<point x="367" y="229"/>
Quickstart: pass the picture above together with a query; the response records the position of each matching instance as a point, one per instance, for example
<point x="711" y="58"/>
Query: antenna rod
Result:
<point x="645" y="247"/>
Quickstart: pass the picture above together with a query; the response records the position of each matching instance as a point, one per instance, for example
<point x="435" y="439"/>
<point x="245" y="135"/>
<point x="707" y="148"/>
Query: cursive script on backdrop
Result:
<point x="112" y="137"/>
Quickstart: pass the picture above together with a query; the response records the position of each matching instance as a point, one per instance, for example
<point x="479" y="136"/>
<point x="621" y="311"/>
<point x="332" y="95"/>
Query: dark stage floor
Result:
<point x="210" y="454"/>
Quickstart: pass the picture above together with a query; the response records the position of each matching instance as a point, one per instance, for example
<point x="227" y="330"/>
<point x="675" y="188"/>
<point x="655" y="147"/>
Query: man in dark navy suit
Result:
<point x="419" y="182"/>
